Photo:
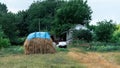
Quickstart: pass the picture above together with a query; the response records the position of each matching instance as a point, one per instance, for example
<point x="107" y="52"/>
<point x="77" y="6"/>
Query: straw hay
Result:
<point x="37" y="45"/>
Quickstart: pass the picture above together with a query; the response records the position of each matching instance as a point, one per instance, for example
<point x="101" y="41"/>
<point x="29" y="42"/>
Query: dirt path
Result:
<point x="92" y="60"/>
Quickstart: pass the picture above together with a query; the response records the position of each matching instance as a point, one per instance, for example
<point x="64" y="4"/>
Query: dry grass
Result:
<point x="95" y="59"/>
<point x="117" y="58"/>
<point x="113" y="57"/>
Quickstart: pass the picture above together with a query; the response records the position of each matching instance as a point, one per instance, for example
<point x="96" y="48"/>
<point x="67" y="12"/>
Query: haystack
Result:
<point x="38" y="45"/>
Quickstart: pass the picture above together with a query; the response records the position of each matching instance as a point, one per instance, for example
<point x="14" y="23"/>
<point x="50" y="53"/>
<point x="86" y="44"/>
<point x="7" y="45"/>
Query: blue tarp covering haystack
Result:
<point x="42" y="35"/>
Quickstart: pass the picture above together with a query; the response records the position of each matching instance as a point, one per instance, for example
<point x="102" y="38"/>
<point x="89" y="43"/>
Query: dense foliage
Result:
<point x="104" y="47"/>
<point x="104" y="31"/>
<point x="4" y="42"/>
<point x="72" y="12"/>
<point x="3" y="8"/>
<point x="21" y="23"/>
<point x="41" y="15"/>
<point x="82" y="35"/>
<point x="116" y="35"/>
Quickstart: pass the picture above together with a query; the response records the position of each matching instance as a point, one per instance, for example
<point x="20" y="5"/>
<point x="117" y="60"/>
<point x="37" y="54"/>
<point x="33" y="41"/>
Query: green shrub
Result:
<point x="4" y="42"/>
<point x="104" y="47"/>
<point x="116" y="35"/>
<point x="76" y="43"/>
<point x="19" y="41"/>
<point x="82" y="35"/>
<point x="12" y="50"/>
<point x="104" y="31"/>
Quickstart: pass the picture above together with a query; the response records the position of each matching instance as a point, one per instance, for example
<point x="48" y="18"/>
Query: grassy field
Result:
<point x="14" y="57"/>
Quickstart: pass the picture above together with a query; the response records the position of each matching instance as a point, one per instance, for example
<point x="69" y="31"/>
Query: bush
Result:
<point x="77" y="43"/>
<point x="4" y="42"/>
<point x="116" y="35"/>
<point x="104" y="47"/>
<point x="85" y="35"/>
<point x="12" y="50"/>
<point x="104" y="31"/>
<point x="19" y="41"/>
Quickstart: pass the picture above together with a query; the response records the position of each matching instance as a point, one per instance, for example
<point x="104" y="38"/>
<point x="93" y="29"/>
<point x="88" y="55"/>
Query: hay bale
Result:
<point x="39" y="45"/>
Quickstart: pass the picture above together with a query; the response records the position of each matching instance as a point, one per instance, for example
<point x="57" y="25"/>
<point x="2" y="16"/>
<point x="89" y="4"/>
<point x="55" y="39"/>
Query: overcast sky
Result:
<point x="102" y="9"/>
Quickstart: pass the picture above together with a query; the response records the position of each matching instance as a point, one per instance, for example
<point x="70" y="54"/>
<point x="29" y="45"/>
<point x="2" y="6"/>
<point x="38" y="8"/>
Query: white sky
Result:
<point x="102" y="9"/>
<point x="105" y="9"/>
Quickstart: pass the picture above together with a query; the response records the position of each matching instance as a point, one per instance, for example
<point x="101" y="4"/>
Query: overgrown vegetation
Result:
<point x="104" y="31"/>
<point x="71" y="13"/>
<point x="104" y="47"/>
<point x="12" y="50"/>
<point x="13" y="57"/>
<point x="4" y="42"/>
<point x="116" y="35"/>
<point x="95" y="46"/>
<point x="85" y="35"/>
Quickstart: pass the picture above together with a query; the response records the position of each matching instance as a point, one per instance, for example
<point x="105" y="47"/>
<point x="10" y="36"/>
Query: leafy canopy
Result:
<point x="3" y="8"/>
<point x="104" y="30"/>
<point x="72" y="12"/>
<point x="116" y="34"/>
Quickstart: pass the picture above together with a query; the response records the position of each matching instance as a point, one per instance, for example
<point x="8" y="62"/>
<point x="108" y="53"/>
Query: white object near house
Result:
<point x="62" y="44"/>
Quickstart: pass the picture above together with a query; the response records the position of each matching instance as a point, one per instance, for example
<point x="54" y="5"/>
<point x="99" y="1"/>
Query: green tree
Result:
<point x="72" y="12"/>
<point x="21" y="23"/>
<point x="1" y="32"/>
<point x="8" y="22"/>
<point x="43" y="12"/>
<point x="4" y="42"/>
<point x="104" y="30"/>
<point x="116" y="34"/>
<point x="3" y="8"/>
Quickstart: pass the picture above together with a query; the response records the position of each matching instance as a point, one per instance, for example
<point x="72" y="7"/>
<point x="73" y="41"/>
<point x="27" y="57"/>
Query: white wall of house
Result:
<point x="70" y="31"/>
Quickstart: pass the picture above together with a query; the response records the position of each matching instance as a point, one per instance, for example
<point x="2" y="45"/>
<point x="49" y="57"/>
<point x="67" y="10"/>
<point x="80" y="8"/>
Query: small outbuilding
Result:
<point x="69" y="33"/>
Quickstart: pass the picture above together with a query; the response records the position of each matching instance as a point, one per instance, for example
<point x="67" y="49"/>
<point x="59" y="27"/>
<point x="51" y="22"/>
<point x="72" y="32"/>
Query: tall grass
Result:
<point x="14" y="57"/>
<point x="12" y="50"/>
<point x="104" y="47"/>
<point x="95" y="46"/>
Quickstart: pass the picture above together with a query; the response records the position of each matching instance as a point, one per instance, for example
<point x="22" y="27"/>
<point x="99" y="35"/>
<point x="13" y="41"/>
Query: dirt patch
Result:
<point x="92" y="60"/>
